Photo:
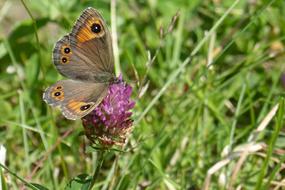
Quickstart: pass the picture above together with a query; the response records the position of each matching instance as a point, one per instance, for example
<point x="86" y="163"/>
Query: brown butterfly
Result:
<point x="86" y="57"/>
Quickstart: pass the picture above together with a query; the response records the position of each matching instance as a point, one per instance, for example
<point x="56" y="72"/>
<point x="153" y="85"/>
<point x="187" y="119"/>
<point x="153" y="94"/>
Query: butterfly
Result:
<point x="85" y="56"/>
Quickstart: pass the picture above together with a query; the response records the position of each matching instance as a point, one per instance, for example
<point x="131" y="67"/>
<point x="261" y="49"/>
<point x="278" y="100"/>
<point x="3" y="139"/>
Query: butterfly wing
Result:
<point x="86" y="53"/>
<point x="75" y="99"/>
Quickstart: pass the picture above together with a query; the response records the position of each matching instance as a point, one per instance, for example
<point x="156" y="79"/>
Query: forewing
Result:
<point x="86" y="54"/>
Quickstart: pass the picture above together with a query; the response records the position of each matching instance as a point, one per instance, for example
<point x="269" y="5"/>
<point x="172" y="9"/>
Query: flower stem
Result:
<point x="100" y="160"/>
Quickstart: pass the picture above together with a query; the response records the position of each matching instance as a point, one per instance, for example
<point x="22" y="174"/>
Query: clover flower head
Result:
<point x="110" y="122"/>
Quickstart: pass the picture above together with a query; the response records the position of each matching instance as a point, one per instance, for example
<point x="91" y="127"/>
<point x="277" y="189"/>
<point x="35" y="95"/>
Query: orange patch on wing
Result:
<point x="59" y="87"/>
<point x="75" y="106"/>
<point x="85" y="33"/>
<point x="57" y="95"/>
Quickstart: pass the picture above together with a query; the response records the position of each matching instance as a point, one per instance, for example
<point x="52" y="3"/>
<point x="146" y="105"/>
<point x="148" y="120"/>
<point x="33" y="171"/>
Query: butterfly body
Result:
<point x="84" y="56"/>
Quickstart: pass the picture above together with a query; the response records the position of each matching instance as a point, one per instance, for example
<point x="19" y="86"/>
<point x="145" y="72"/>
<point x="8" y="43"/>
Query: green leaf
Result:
<point x="40" y="187"/>
<point x="81" y="182"/>
<point x="21" y="40"/>
<point x="26" y="28"/>
<point x="3" y="183"/>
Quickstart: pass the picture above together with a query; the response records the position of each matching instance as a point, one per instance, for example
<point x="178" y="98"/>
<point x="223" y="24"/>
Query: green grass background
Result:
<point x="215" y="77"/>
